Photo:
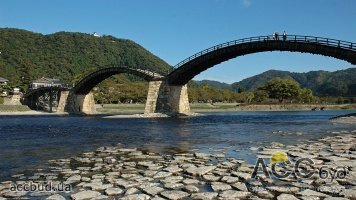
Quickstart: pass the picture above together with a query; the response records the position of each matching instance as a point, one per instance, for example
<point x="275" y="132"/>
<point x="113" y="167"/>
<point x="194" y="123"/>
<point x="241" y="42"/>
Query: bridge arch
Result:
<point x="201" y="61"/>
<point x="43" y="98"/>
<point x="85" y="85"/>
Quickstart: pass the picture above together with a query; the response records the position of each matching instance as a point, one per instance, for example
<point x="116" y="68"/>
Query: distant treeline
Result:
<point x="274" y="91"/>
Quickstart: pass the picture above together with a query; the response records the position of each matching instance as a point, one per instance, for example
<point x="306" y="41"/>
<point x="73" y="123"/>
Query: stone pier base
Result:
<point x="167" y="99"/>
<point x="62" y="101"/>
<point x="79" y="104"/>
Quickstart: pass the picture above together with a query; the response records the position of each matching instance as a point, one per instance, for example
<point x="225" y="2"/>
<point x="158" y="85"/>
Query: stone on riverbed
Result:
<point x="11" y="194"/>
<point x="173" y="169"/>
<point x="153" y="190"/>
<point x="349" y="193"/>
<point x="309" y="192"/>
<point x="86" y="194"/>
<point x="172" y="179"/>
<point x="243" y="175"/>
<point x="230" y="179"/>
<point x="161" y="175"/>
<point x="336" y="198"/>
<point x="209" y="177"/>
<point x="131" y="191"/>
<point x="74" y="179"/>
<point x="218" y="186"/>
<point x="174" y="195"/>
<point x="281" y="189"/>
<point x="126" y="184"/>
<point x="330" y="189"/>
<point x="173" y="186"/>
<point x="286" y="197"/>
<point x="204" y="195"/>
<point x="191" y="188"/>
<point x="56" y="197"/>
<point x="275" y="145"/>
<point x="113" y="191"/>
<point x="199" y="171"/>
<point x="97" y="186"/>
<point x="234" y="194"/>
<point x="202" y="155"/>
<point x="240" y="186"/>
<point x="136" y="197"/>
<point x="191" y="181"/>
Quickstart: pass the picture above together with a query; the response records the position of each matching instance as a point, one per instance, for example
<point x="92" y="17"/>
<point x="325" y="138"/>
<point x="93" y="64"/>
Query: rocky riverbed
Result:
<point x="130" y="173"/>
<point x="350" y="118"/>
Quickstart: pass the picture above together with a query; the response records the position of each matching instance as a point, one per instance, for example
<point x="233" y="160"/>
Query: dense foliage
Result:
<point x="285" y="89"/>
<point x="275" y="90"/>
<point x="26" y="56"/>
<point x="322" y="83"/>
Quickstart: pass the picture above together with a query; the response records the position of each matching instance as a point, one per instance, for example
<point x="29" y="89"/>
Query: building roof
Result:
<point x="3" y="79"/>
<point x="47" y="80"/>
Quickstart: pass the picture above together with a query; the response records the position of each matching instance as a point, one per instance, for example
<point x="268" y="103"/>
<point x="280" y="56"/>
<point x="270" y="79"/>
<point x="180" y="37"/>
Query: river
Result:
<point x="27" y="142"/>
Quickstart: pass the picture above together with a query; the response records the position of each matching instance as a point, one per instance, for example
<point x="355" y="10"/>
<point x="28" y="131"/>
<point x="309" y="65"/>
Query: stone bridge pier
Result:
<point x="76" y="103"/>
<point x="161" y="98"/>
<point x="168" y="99"/>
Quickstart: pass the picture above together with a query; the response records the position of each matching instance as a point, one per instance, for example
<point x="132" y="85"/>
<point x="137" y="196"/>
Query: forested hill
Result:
<point x="322" y="83"/>
<point x="66" y="55"/>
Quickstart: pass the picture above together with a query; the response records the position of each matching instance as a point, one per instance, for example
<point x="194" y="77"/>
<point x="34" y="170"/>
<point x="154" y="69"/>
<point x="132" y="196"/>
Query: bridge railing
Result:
<point x="289" y="38"/>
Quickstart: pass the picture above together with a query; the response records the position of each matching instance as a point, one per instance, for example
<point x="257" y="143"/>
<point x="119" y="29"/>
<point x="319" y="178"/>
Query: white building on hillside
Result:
<point x="3" y="81"/>
<point x="45" y="82"/>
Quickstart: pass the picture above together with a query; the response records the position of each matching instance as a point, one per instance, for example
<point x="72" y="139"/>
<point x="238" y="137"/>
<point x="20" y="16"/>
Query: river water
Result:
<point x="27" y="142"/>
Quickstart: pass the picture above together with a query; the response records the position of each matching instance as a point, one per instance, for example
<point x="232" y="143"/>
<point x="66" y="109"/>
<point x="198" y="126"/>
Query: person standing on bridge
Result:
<point x="275" y="35"/>
<point x="284" y="36"/>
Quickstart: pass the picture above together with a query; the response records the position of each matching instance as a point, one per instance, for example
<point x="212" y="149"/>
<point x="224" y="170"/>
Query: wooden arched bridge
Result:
<point x="168" y="94"/>
<point x="85" y="85"/>
<point x="199" y="62"/>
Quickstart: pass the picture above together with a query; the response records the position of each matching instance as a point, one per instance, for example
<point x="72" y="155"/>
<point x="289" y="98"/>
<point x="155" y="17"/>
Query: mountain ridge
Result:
<point x="26" y="55"/>
<point x="321" y="82"/>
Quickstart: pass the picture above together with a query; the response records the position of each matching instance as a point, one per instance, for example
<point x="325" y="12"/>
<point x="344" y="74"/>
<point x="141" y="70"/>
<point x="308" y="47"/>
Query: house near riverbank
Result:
<point x="3" y="81"/>
<point x="45" y="82"/>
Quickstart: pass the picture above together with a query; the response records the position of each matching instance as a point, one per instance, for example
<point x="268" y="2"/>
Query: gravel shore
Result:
<point x="129" y="173"/>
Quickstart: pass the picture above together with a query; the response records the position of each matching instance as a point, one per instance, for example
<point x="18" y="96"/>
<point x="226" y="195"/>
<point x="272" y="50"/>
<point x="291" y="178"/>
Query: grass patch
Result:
<point x="215" y="106"/>
<point x="349" y="107"/>
<point x="13" y="108"/>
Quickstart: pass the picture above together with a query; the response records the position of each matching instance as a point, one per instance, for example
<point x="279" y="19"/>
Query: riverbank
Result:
<point x="31" y="112"/>
<point x="130" y="109"/>
<point x="224" y="107"/>
<point x="117" y="172"/>
<point x="23" y="110"/>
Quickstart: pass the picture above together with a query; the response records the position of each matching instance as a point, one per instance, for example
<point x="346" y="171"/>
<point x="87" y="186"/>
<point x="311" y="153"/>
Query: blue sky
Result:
<point x="174" y="30"/>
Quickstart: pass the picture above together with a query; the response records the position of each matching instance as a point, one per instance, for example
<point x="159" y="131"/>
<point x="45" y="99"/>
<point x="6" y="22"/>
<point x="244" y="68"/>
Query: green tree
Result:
<point x="241" y="89"/>
<point x="305" y="96"/>
<point x="260" y="96"/>
<point x="282" y="89"/>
